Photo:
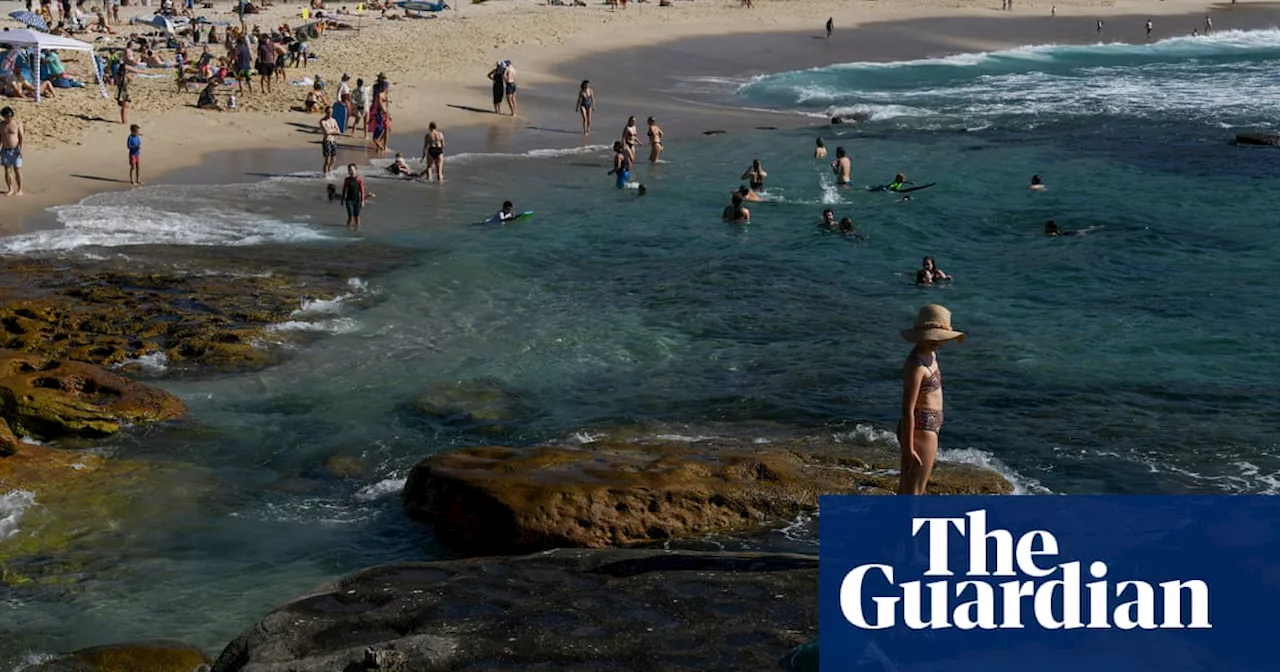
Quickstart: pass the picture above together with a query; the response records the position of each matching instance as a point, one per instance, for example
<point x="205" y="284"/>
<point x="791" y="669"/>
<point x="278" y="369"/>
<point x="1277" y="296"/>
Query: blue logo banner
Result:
<point x="1049" y="584"/>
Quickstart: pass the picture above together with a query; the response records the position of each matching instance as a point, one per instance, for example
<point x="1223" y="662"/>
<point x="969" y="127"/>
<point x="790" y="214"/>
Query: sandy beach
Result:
<point x="437" y="68"/>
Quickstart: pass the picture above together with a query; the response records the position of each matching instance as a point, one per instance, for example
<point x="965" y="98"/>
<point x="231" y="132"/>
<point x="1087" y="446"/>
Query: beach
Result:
<point x="622" y="375"/>
<point x="437" y="67"/>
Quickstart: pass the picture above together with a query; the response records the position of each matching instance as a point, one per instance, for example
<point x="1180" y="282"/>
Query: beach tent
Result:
<point x="31" y="39"/>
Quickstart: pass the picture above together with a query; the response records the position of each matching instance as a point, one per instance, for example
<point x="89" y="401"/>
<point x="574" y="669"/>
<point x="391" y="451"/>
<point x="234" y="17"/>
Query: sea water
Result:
<point x="1138" y="358"/>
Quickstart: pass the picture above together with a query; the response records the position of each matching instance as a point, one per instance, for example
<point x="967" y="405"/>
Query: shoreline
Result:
<point x="645" y="56"/>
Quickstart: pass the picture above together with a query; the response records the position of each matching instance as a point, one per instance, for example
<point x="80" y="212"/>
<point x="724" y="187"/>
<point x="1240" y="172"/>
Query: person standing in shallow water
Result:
<point x="922" y="398"/>
<point x="353" y="196"/>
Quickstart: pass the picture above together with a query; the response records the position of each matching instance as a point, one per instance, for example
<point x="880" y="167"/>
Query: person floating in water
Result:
<point x="736" y="212"/>
<point x="1037" y="184"/>
<point x="828" y="222"/>
<point x="399" y="167"/>
<point x="746" y="194"/>
<point x="1051" y="230"/>
<point x="922" y="397"/>
<point x="846" y="225"/>
<point x="899" y="181"/>
<point x="842" y="167"/>
<point x="929" y="273"/>
<point x="621" y="164"/>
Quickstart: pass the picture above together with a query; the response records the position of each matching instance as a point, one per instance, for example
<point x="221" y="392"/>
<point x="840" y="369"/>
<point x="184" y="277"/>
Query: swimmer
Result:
<point x="899" y="181"/>
<point x="828" y="222"/>
<point x="622" y="159"/>
<point x="1051" y="230"/>
<point x="820" y="152"/>
<point x="929" y="273"/>
<point x="747" y="194"/>
<point x="846" y="225"/>
<point x="331" y="190"/>
<point x="735" y="212"/>
<point x="755" y="176"/>
<point x="842" y="167"/>
<point x="399" y="167"/>
<point x="505" y="214"/>
<point x="1037" y="184"/>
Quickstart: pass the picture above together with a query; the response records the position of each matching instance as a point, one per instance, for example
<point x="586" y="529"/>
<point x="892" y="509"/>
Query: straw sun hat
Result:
<point x="933" y="323"/>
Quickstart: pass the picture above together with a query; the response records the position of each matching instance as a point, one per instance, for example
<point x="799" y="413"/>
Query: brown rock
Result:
<point x="160" y="656"/>
<point x="9" y="443"/>
<point x="48" y="398"/>
<point x="622" y="492"/>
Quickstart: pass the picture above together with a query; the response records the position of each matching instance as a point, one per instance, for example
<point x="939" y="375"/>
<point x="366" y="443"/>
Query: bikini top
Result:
<point x="933" y="383"/>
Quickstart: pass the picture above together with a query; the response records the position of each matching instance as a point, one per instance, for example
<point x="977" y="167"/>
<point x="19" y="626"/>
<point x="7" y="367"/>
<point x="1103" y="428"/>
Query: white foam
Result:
<point x="1022" y="485"/>
<point x="154" y="362"/>
<point x="13" y="505"/>
<point x="380" y="489"/>
<point x="113" y="220"/>
<point x="681" y="438"/>
<point x="33" y="658"/>
<point x="533" y="153"/>
<point x="339" y="325"/>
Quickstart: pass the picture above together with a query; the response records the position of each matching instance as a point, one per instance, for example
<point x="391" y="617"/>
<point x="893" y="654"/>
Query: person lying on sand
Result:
<point x="19" y="87"/>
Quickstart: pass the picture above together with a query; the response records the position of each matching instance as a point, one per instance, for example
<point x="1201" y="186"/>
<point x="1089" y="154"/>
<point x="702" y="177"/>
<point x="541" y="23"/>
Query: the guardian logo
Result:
<point x="1037" y="588"/>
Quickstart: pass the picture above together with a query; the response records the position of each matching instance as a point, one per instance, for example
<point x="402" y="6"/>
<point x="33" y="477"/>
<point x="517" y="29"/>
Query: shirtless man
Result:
<point x="842" y="167"/>
<point x="329" y="144"/>
<point x="11" y="143"/>
<point x="509" y="81"/>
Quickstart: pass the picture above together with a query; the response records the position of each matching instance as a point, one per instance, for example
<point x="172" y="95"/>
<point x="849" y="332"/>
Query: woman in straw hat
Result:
<point x="922" y="397"/>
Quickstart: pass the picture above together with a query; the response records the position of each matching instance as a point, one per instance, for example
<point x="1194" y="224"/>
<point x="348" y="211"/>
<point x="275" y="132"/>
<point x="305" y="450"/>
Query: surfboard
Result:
<point x="339" y="113"/>
<point x="415" y="6"/>
<point x="520" y="217"/>
<point x="885" y="187"/>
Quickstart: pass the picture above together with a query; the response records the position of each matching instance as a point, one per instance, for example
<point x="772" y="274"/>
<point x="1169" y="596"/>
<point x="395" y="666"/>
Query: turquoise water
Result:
<point x="1137" y="358"/>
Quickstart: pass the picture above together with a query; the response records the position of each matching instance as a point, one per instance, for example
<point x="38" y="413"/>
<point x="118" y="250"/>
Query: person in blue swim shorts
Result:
<point x="621" y="164"/>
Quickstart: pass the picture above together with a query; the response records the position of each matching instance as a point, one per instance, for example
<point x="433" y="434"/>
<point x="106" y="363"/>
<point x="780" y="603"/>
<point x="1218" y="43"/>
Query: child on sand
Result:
<point x="134" y="143"/>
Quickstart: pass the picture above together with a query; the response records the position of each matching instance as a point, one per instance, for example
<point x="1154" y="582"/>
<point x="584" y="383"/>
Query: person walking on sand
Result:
<point x="655" y="140"/>
<point x="433" y="152"/>
<point x="134" y="145"/>
<point x="922" y="398"/>
<point x="244" y="65"/>
<point x="1208" y="25"/>
<point x="12" y="140"/>
<point x="831" y="26"/>
<point x="353" y="196"/>
<point x="122" y="92"/>
<point x="499" y="87"/>
<point x="509" y="82"/>
<point x="586" y="101"/>
<point x="329" y="143"/>
<point x="1099" y="26"/>
<point x="1148" y="29"/>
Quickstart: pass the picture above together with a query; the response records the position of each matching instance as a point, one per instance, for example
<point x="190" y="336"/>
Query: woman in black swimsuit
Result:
<point x="755" y="176"/>
<point x="499" y="87"/>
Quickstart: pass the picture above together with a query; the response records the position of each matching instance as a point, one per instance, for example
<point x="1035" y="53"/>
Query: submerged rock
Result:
<point x="647" y="488"/>
<point x="486" y="405"/>
<point x="160" y="656"/>
<point x="1272" y="139"/>
<point x="561" y="610"/>
<point x="48" y="399"/>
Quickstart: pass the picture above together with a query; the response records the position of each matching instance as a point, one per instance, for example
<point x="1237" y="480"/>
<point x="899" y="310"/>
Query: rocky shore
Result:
<point x="576" y="550"/>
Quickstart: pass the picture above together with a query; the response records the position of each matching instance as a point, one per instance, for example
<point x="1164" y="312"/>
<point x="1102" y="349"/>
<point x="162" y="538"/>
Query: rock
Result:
<point x="644" y="489"/>
<point x="212" y="309"/>
<point x="563" y="610"/>
<point x="9" y="443"/>
<point x="484" y="405"/>
<point x="161" y="656"/>
<point x="48" y="399"/>
<point x="82" y="503"/>
<point x="1258" y="138"/>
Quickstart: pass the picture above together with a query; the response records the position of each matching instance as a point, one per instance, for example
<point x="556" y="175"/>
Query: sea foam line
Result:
<point x="13" y="505"/>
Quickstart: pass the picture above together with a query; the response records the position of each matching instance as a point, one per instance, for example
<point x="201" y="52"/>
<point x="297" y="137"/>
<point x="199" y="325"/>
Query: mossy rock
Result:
<point x="159" y="656"/>
<point x="486" y="405"/>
